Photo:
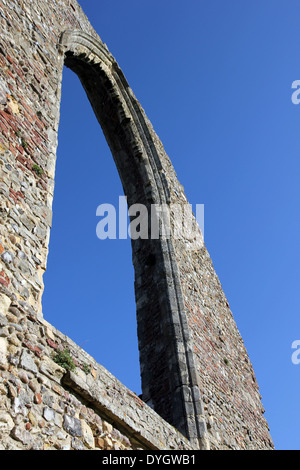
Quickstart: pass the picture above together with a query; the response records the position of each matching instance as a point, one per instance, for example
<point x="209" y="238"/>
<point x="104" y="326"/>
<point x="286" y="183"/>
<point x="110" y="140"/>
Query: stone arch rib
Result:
<point x="169" y="379"/>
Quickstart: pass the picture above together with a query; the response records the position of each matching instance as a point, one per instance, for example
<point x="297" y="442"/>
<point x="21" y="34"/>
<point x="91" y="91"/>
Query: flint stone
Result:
<point x="7" y="257"/>
<point x="28" y="363"/>
<point x="48" y="414"/>
<point x="72" y="426"/>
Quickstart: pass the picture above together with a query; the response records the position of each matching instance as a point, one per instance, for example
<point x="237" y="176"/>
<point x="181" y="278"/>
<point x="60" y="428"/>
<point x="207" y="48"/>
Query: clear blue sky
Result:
<point x="214" y="78"/>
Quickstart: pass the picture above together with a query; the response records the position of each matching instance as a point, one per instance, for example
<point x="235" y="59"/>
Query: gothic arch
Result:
<point x="168" y="373"/>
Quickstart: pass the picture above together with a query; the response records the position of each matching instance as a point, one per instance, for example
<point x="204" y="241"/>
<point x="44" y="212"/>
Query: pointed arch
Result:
<point x="168" y="373"/>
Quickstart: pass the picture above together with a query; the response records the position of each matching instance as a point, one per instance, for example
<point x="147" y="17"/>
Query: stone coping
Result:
<point x="114" y="401"/>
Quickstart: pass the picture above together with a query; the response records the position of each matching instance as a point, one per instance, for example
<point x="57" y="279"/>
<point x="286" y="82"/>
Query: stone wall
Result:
<point x="195" y="371"/>
<point x="44" y="407"/>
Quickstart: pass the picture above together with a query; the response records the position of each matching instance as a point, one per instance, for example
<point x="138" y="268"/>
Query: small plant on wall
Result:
<point x="64" y="359"/>
<point x="38" y="171"/>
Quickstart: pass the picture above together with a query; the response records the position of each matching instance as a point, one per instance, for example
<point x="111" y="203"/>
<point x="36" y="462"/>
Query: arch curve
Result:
<point x="168" y="373"/>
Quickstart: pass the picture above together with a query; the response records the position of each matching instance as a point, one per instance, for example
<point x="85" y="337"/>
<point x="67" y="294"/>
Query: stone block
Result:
<point x="51" y="369"/>
<point x="72" y="425"/>
<point x="6" y="422"/>
<point x="27" y="362"/>
<point x="87" y="435"/>
<point x="4" y="304"/>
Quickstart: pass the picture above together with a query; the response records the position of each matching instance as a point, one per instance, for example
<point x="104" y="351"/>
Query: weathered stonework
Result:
<point x="43" y="407"/>
<point x="195" y="371"/>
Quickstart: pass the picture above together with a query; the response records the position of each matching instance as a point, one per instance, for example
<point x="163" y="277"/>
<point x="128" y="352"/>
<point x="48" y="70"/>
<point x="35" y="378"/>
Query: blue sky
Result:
<point x="214" y="78"/>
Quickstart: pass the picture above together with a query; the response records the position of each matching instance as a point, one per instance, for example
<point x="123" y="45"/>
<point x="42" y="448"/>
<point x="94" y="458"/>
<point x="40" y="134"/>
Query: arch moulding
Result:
<point x="168" y="373"/>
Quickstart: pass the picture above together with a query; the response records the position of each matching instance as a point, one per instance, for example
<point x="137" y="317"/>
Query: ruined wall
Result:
<point x="195" y="371"/>
<point x="42" y="407"/>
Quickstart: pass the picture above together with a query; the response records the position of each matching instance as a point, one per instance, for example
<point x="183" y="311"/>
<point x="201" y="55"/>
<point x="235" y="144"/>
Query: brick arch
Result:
<point x="168" y="373"/>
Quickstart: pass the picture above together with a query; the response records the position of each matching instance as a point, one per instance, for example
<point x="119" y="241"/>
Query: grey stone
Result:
<point x="7" y="257"/>
<point x="27" y="362"/>
<point x="19" y="406"/>
<point x="49" y="414"/>
<point x="21" y="254"/>
<point x="72" y="426"/>
<point x="77" y="444"/>
<point x="23" y="436"/>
